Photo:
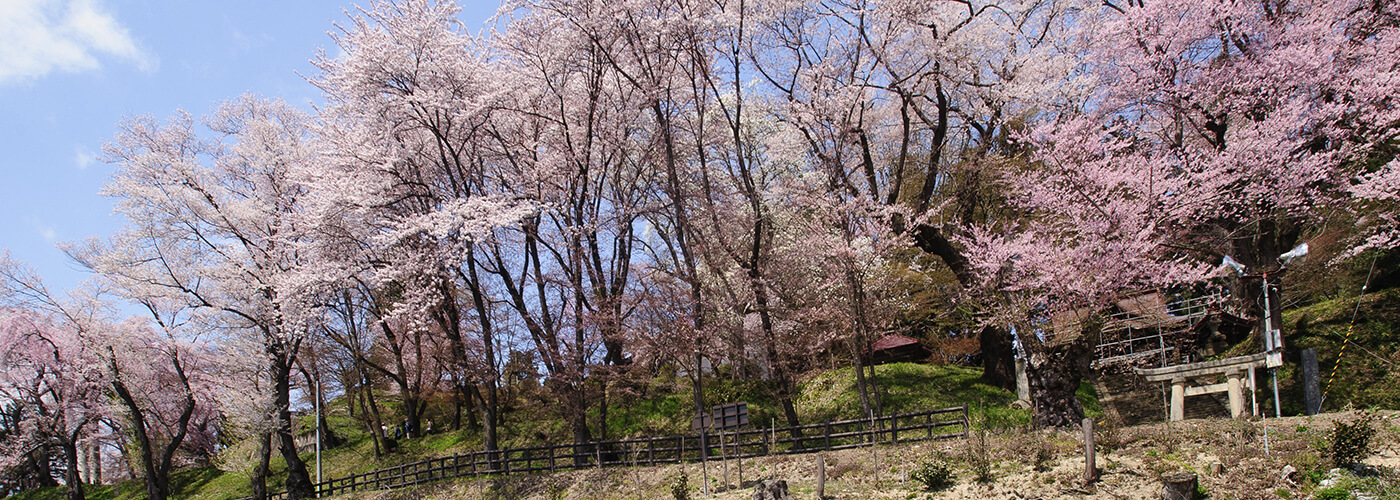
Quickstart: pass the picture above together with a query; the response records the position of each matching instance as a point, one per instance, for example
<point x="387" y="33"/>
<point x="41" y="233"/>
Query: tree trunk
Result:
<point x="1055" y="371"/>
<point x="71" y="475"/>
<point x="259" y="478"/>
<point x="998" y="361"/>
<point x="154" y="488"/>
<point x="998" y="357"/>
<point x="490" y="407"/>
<point x="577" y="407"/>
<point x="865" y="406"/>
<point x="298" y="478"/>
<point x="370" y="422"/>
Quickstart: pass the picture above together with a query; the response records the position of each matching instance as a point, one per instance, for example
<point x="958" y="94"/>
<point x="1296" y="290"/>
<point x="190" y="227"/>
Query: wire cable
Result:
<point x="1350" y="328"/>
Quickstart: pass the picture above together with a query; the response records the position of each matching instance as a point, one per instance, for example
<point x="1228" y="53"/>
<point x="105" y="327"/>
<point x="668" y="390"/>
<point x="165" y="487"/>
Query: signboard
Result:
<point x="723" y="417"/>
<point x="703" y="421"/>
<point x="731" y="416"/>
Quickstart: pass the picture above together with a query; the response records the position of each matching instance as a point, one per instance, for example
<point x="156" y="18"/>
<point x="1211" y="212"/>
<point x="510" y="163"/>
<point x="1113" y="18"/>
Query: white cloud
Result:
<point x="82" y="157"/>
<point x="42" y="36"/>
<point x="48" y="233"/>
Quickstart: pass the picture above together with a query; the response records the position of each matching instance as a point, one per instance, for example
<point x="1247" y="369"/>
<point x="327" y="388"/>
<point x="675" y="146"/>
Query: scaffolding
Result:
<point x="1147" y="326"/>
<point x="1144" y="327"/>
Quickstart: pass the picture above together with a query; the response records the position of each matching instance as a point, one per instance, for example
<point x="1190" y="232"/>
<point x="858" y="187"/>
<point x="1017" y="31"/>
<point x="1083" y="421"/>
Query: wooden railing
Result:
<point x="917" y="426"/>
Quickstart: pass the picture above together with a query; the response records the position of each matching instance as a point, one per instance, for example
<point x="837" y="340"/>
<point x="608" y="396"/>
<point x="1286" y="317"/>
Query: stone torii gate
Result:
<point x="1231" y="368"/>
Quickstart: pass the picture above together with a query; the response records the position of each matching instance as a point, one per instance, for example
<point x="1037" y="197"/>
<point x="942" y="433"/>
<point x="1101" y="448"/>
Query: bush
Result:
<point x="934" y="474"/>
<point x="680" y="489"/>
<point x="1351" y="441"/>
<point x="1044" y="456"/>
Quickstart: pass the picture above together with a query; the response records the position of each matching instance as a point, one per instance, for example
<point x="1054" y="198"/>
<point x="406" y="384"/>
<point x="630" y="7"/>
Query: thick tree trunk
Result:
<point x="577" y="408"/>
<point x="1055" y="371"/>
<point x="71" y="475"/>
<point x="998" y="357"/>
<point x="154" y="489"/>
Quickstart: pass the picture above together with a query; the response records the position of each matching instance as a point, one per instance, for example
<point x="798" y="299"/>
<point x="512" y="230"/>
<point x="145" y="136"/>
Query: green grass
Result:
<point x="903" y="388"/>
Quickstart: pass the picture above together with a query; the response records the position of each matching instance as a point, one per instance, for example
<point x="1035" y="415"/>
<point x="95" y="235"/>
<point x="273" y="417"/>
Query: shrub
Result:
<point x="680" y="488"/>
<point x="1351" y="441"/>
<point x="934" y="474"/>
<point x="1044" y="456"/>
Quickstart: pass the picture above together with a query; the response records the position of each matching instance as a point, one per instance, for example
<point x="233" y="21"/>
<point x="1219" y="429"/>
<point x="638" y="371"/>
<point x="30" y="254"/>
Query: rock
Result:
<point x="1333" y="478"/>
<point x="1288" y="472"/>
<point x="1217" y="468"/>
<point x="771" y="489"/>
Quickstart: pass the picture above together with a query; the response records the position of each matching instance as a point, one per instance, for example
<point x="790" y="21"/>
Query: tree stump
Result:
<point x="771" y="489"/>
<point x="1179" y="486"/>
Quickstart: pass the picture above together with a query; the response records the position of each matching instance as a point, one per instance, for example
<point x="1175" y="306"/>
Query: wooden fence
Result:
<point x="908" y="427"/>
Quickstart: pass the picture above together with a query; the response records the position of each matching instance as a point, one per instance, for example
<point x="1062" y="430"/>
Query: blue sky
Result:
<point x="70" y="70"/>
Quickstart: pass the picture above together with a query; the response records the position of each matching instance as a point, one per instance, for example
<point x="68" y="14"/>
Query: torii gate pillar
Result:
<point x="1179" y="375"/>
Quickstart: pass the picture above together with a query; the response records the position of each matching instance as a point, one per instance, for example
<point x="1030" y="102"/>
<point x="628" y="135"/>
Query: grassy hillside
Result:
<point x="1367" y="371"/>
<point x="659" y="407"/>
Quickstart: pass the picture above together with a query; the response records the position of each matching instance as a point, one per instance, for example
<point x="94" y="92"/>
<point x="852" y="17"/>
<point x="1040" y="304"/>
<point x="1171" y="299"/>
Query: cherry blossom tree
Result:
<point x="403" y="198"/>
<point x="211" y="226"/>
<point x="52" y="372"/>
<point x="1219" y="129"/>
<point x="164" y="386"/>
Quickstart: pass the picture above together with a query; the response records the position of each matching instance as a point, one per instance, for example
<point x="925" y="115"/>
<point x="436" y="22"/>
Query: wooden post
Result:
<point x="1091" y="472"/>
<point x="827" y="434"/>
<point x="723" y="460"/>
<point x="740" y="455"/>
<point x="651" y="452"/>
<point x="821" y="476"/>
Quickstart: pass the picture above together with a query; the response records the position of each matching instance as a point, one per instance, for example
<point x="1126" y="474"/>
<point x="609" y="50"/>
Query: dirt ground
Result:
<point x="1235" y="459"/>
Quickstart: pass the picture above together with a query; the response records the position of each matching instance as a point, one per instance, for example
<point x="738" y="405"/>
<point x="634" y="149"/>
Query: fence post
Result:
<point x="966" y="423"/>
<point x="551" y="458"/>
<point x="827" y="428"/>
<point x="651" y="452"/>
<point x="1091" y="472"/>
